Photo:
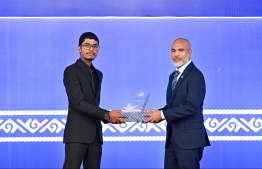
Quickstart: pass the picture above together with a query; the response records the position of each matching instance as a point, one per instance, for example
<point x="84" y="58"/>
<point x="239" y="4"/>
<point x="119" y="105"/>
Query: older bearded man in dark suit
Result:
<point x="186" y="135"/>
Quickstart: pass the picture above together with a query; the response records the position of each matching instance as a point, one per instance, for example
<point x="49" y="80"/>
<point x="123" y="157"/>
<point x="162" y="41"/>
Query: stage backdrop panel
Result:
<point x="135" y="60"/>
<point x="131" y="8"/>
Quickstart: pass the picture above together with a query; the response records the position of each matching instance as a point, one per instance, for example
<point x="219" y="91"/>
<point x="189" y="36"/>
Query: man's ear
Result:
<point x="190" y="53"/>
<point x="79" y="48"/>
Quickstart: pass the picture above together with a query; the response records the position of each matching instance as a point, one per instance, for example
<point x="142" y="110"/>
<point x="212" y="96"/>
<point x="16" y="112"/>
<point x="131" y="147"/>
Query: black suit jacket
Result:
<point x="84" y="115"/>
<point x="184" y="109"/>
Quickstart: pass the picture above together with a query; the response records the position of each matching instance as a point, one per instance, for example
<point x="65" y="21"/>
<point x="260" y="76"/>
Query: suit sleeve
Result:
<point x="164" y="107"/>
<point x="75" y="95"/>
<point x="170" y="80"/>
<point x="194" y="99"/>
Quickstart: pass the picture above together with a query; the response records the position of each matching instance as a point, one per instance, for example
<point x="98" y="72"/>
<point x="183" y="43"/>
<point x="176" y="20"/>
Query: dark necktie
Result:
<point x="175" y="79"/>
<point x="94" y="79"/>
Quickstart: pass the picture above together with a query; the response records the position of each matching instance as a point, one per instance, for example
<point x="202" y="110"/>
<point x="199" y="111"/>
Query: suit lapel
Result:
<point x="99" y="82"/>
<point x="169" y="88"/>
<point x="84" y="70"/>
<point x="181" y="78"/>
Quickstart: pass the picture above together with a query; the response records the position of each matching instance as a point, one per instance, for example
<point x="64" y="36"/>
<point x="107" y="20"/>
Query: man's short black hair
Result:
<point x="87" y="35"/>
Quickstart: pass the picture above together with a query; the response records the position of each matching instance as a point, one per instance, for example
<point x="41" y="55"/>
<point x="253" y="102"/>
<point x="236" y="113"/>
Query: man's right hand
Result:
<point x="115" y="117"/>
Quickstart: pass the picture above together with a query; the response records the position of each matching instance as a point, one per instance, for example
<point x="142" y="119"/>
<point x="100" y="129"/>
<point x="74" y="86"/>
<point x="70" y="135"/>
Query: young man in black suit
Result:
<point x="186" y="135"/>
<point x="83" y="131"/>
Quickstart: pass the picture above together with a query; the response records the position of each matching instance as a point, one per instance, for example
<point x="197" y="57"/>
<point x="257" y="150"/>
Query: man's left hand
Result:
<point x="154" y="117"/>
<point x="115" y="117"/>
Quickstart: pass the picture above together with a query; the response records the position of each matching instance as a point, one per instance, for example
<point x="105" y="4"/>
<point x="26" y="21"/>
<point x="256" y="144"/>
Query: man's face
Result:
<point x="180" y="52"/>
<point x="88" y="54"/>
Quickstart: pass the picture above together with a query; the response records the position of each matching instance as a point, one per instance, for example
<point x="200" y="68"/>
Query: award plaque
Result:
<point x="136" y="116"/>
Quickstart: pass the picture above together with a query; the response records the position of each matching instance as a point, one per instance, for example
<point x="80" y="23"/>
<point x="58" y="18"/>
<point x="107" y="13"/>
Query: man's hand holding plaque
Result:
<point x="154" y="116"/>
<point x="116" y="118"/>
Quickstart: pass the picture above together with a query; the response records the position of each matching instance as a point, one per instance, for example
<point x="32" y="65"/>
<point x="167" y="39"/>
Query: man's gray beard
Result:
<point x="182" y="62"/>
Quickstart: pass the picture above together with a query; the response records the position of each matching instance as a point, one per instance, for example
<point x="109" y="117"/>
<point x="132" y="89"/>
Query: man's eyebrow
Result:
<point x="89" y="44"/>
<point x="178" y="49"/>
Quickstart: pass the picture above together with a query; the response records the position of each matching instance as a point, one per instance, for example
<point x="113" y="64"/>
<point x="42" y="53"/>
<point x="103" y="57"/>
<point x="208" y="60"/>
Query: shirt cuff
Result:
<point x="162" y="115"/>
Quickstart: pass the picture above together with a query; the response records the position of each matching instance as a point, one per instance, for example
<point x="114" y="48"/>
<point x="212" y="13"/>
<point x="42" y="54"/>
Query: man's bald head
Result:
<point x="183" y="41"/>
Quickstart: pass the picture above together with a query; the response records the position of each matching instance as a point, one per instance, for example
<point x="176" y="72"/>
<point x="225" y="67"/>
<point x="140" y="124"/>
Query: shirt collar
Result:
<point x="87" y="67"/>
<point x="181" y="69"/>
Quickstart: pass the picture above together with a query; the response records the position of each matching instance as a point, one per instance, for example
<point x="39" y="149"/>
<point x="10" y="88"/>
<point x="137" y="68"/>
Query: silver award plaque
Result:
<point x="137" y="116"/>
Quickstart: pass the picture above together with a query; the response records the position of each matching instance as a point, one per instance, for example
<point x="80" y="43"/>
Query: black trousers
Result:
<point x="76" y="153"/>
<point x="177" y="158"/>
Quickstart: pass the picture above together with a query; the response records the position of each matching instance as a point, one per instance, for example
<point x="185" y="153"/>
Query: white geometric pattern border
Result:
<point x="32" y="112"/>
<point x="64" y="112"/>
<point x="233" y="122"/>
<point x="129" y="138"/>
<point x="232" y="111"/>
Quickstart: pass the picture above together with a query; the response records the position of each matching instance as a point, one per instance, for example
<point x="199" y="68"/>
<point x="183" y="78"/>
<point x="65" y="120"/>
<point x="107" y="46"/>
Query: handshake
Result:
<point x="145" y="116"/>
